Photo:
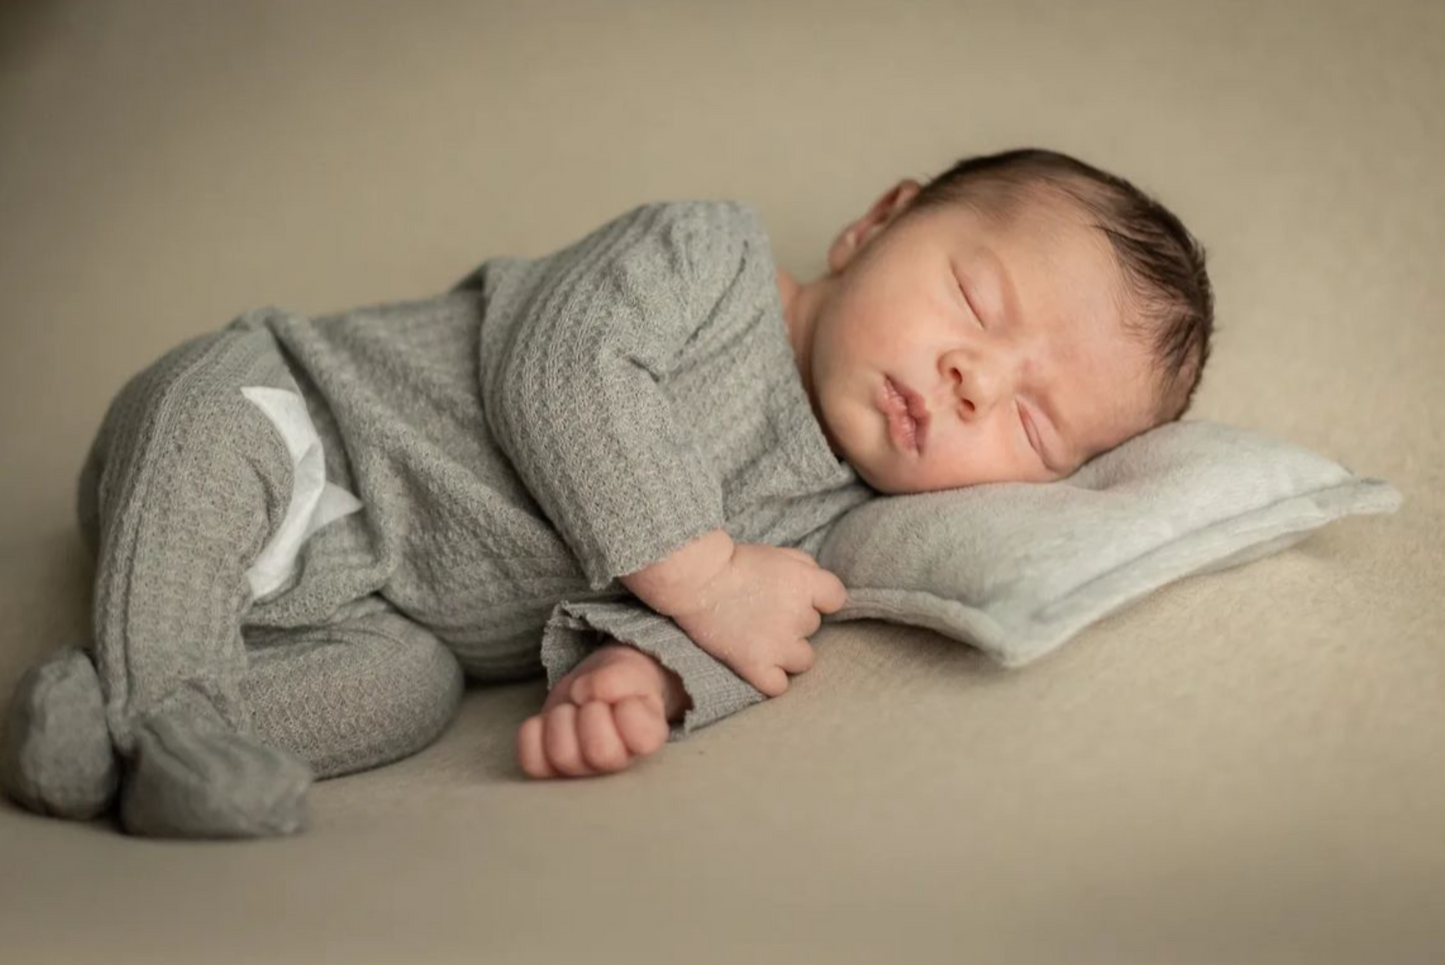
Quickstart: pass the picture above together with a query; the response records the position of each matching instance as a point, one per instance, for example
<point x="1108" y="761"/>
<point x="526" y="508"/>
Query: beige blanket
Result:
<point x="1245" y="767"/>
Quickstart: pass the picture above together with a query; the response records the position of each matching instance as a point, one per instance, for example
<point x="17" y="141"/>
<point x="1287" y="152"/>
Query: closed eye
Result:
<point x="1029" y="434"/>
<point x="976" y="317"/>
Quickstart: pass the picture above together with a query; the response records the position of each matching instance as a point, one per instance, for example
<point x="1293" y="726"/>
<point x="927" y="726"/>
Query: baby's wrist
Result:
<point x="674" y="584"/>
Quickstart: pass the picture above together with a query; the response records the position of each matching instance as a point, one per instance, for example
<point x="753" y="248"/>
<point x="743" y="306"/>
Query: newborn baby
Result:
<point x="615" y="463"/>
<point x="1020" y="315"/>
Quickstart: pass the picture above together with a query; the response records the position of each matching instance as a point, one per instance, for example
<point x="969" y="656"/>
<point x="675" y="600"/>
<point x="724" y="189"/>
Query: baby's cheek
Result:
<point x="860" y="436"/>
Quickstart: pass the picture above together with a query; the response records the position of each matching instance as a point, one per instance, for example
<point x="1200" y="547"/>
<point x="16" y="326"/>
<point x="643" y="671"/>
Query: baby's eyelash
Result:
<point x="969" y="303"/>
<point x="1024" y="421"/>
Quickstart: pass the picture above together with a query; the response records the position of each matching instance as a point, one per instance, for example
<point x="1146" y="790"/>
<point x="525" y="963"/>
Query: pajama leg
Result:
<point x="368" y="690"/>
<point x="190" y="479"/>
<point x="356" y="694"/>
<point x="56" y="757"/>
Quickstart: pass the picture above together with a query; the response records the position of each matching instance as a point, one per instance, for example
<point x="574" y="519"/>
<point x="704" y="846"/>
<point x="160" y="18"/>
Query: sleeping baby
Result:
<point x="615" y="464"/>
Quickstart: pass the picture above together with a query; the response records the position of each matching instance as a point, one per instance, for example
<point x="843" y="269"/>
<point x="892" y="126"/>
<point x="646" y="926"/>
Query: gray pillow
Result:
<point x="1016" y="569"/>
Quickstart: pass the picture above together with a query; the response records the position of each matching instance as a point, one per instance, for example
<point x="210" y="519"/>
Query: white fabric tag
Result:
<point x="314" y="501"/>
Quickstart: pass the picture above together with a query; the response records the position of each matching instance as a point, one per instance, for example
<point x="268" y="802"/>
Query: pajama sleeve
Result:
<point x="575" y="394"/>
<point x="575" y="629"/>
<point x="574" y="391"/>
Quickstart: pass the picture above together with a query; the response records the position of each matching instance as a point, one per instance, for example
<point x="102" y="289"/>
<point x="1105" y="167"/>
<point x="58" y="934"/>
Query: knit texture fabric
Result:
<point x="550" y="424"/>
<point x="515" y="445"/>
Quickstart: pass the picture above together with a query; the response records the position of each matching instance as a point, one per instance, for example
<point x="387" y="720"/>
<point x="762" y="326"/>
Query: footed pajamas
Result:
<point x="304" y="526"/>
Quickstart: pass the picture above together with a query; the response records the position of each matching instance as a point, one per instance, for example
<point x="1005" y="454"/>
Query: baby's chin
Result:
<point x="897" y="477"/>
<point x="873" y="460"/>
<point x="891" y="480"/>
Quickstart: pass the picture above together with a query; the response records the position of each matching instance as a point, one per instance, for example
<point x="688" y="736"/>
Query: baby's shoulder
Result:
<point x="700" y="220"/>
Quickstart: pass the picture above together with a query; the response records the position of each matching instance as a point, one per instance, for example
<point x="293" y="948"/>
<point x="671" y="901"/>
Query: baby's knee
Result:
<point x="182" y="431"/>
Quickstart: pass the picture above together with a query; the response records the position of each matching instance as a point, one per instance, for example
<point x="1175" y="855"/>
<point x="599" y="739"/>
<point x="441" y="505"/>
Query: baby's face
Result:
<point x="951" y="350"/>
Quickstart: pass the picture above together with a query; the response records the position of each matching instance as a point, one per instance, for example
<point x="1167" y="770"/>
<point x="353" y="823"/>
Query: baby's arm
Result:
<point x="670" y="583"/>
<point x="573" y="384"/>
<point x="751" y="606"/>
<point x="575" y="360"/>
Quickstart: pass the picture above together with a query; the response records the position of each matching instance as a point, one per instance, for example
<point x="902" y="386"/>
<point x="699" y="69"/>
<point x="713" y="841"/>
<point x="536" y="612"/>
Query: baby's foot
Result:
<point x="613" y="708"/>
<point x="56" y="756"/>
<point x="194" y="780"/>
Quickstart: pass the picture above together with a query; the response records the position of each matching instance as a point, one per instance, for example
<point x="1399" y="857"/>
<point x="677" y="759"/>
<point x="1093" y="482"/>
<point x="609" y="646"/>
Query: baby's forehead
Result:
<point x="1053" y="267"/>
<point x="1053" y="228"/>
<point x="1044" y="258"/>
<point x="1047" y="264"/>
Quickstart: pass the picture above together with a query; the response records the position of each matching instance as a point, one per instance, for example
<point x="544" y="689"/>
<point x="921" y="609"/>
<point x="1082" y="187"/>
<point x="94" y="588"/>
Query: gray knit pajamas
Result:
<point x="493" y="457"/>
<point x="225" y="722"/>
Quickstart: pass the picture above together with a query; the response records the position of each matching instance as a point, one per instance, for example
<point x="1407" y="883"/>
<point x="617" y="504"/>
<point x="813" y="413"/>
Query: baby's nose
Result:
<point x="979" y="383"/>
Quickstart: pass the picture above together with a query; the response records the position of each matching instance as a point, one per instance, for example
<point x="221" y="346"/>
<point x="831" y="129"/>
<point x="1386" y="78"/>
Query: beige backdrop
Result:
<point x="1246" y="767"/>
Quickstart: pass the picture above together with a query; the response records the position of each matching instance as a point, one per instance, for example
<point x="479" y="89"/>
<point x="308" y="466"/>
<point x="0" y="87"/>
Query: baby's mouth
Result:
<point x="907" y="415"/>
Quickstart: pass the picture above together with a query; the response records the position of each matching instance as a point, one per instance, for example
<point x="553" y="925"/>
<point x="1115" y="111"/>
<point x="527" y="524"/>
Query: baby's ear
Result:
<point x="856" y="236"/>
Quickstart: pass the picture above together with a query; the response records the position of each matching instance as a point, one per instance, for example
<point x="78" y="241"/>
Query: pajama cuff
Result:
<point x="574" y="630"/>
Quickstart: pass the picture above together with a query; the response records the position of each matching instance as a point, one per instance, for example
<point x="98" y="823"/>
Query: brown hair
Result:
<point x="1163" y="264"/>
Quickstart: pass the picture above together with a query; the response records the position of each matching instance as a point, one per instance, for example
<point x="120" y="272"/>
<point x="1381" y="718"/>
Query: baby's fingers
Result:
<point x="798" y="658"/>
<point x="772" y="680"/>
<point x="829" y="593"/>
<point x="530" y="753"/>
<point x="559" y="740"/>
<point x="603" y="748"/>
<point x="641" y="725"/>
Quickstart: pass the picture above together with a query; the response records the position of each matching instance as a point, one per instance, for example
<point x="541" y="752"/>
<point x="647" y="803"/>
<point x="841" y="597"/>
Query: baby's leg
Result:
<point x="368" y="690"/>
<point x="56" y="757"/>
<point x="191" y="480"/>
<point x="363" y="692"/>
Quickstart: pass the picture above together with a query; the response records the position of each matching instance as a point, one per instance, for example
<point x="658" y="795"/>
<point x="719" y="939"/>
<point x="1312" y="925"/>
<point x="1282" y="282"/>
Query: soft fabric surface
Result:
<point x="1243" y="767"/>
<point x="55" y="754"/>
<point x="1018" y="568"/>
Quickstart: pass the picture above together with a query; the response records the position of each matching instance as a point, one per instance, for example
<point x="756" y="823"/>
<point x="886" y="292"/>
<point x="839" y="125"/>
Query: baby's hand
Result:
<point x="611" y="710"/>
<point x="756" y="613"/>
